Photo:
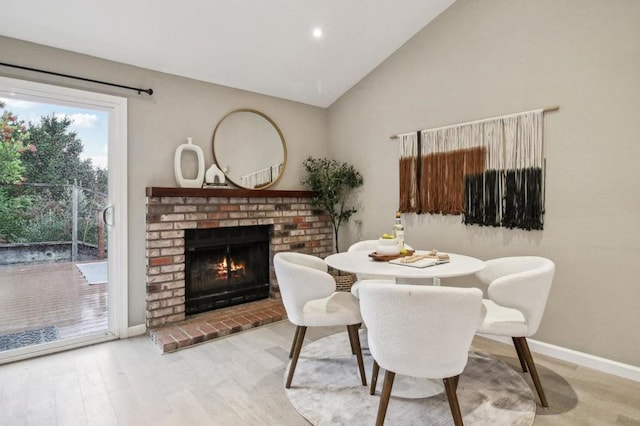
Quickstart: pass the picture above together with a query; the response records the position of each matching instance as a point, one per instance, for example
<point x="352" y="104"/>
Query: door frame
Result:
<point x="117" y="292"/>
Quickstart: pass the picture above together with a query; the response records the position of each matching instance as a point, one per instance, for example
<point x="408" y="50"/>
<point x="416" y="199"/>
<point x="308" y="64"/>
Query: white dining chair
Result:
<point x="518" y="290"/>
<point x="310" y="299"/>
<point x="368" y="246"/>
<point x="419" y="331"/>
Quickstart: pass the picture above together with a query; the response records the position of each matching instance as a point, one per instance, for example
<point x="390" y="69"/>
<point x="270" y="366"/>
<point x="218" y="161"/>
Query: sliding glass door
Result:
<point x="62" y="215"/>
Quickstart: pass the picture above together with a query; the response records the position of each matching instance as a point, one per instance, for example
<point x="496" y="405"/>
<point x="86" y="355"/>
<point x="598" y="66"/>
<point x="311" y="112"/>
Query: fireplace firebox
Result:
<point x="226" y="267"/>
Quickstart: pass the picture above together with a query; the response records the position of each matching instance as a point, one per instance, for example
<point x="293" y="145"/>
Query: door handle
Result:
<point x="106" y="215"/>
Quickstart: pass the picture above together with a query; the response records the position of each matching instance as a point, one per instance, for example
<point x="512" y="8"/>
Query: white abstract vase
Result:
<point x="177" y="165"/>
<point x="214" y="173"/>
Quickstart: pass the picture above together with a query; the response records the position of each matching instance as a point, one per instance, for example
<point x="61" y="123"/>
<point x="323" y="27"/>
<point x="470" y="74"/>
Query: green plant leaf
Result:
<point x="332" y="183"/>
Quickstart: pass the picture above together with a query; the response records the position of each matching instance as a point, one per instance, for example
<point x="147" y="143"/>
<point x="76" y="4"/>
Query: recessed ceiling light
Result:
<point x="317" y="32"/>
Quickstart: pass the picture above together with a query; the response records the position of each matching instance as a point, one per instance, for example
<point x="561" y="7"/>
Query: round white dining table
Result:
<point x="359" y="262"/>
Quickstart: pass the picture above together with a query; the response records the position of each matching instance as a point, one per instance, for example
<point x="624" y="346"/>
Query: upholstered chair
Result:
<point x="369" y="246"/>
<point x="419" y="331"/>
<point x="518" y="291"/>
<point x="310" y="300"/>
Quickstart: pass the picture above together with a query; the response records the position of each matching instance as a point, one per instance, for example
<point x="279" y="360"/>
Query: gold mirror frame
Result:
<point x="246" y="150"/>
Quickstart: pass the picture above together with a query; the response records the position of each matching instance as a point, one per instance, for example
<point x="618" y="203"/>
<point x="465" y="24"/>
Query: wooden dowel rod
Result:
<point x="545" y="110"/>
<point x="400" y="135"/>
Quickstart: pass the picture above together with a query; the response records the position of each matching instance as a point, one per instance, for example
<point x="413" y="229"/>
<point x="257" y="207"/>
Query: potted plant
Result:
<point x="332" y="182"/>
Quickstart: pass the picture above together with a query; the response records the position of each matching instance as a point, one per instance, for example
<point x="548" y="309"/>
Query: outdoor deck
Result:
<point x="45" y="295"/>
<point x="34" y="297"/>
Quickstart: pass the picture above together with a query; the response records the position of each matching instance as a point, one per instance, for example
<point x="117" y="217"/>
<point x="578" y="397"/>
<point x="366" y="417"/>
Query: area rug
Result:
<point x="94" y="273"/>
<point x="28" y="338"/>
<point x="326" y="390"/>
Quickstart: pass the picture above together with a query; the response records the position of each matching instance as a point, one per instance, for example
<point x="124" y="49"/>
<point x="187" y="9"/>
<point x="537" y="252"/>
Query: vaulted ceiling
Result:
<point x="310" y="52"/>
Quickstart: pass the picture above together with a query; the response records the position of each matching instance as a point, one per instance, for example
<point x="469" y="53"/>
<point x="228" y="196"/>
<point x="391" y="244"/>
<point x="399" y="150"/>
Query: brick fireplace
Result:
<point x="171" y="211"/>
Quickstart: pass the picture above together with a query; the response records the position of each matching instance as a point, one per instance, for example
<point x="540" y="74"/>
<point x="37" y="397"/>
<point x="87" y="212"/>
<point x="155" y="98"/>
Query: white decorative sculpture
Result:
<point x="177" y="165"/>
<point x="212" y="173"/>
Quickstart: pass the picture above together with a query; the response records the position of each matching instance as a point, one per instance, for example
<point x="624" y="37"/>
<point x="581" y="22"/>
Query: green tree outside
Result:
<point x="38" y="165"/>
<point x="57" y="158"/>
<point x="14" y="143"/>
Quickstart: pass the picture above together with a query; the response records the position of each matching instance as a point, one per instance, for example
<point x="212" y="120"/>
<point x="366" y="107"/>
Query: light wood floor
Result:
<point x="237" y="380"/>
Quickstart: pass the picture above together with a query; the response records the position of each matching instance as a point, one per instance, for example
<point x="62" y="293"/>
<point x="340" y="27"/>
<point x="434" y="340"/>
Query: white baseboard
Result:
<point x="137" y="330"/>
<point x="605" y="365"/>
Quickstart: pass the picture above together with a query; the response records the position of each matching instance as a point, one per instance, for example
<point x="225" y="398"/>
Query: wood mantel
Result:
<point x="157" y="191"/>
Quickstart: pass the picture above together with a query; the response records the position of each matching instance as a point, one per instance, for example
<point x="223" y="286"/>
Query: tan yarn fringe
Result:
<point x="442" y="180"/>
<point x="408" y="202"/>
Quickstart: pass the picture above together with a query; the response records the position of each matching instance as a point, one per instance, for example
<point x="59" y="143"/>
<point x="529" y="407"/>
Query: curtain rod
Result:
<point x="147" y="91"/>
<point x="547" y="109"/>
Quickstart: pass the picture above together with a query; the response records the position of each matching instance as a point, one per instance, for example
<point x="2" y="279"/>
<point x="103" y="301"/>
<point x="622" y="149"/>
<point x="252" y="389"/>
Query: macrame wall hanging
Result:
<point x="489" y="171"/>
<point x="409" y="173"/>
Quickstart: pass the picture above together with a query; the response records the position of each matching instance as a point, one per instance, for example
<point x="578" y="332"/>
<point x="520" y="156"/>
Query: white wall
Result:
<point x="179" y="108"/>
<point x="484" y="58"/>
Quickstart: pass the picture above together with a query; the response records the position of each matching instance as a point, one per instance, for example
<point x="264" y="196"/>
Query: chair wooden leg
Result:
<point x="532" y="370"/>
<point x="293" y="343"/>
<point x="455" y="382"/>
<point x="374" y="377"/>
<point x="523" y="363"/>
<point x="354" y="338"/>
<point x="384" y="397"/>
<point x="353" y="348"/>
<point x="450" y="385"/>
<point x="357" y="327"/>
<point x="300" y="332"/>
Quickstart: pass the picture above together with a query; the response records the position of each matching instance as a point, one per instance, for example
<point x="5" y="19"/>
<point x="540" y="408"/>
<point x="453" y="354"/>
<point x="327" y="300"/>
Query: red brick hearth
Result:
<point x="219" y="323"/>
<point x="296" y="227"/>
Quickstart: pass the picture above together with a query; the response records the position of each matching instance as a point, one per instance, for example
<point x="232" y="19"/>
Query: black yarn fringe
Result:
<point x="508" y="198"/>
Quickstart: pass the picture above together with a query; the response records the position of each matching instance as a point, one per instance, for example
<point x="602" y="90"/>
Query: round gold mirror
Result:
<point x="249" y="147"/>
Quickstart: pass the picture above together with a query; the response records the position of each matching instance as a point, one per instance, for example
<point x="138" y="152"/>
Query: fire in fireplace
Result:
<point x="225" y="267"/>
<point x="224" y="270"/>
